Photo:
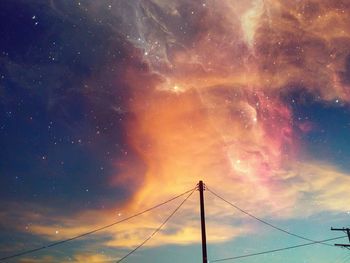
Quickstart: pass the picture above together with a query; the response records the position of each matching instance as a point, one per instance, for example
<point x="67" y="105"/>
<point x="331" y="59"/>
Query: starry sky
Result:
<point x="109" y="107"/>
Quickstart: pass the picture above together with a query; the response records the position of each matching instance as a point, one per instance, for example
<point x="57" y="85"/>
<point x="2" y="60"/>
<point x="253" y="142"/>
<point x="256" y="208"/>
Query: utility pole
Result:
<point x="204" y="238"/>
<point x="347" y="231"/>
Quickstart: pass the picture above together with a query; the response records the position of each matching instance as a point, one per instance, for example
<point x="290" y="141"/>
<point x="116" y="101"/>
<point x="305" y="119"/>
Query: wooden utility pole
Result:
<point x="347" y="231"/>
<point x="204" y="238"/>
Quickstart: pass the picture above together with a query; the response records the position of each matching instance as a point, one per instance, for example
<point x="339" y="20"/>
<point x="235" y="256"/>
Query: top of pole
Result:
<point x="201" y="184"/>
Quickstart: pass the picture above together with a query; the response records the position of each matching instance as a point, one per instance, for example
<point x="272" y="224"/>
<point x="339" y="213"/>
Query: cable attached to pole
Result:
<point x="157" y="230"/>
<point x="275" y="250"/>
<point x="95" y="230"/>
<point x="265" y="222"/>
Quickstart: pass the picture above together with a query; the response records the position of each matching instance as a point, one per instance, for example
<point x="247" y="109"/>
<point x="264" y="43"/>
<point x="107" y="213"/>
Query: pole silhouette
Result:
<point x="204" y="238"/>
<point x="347" y="231"/>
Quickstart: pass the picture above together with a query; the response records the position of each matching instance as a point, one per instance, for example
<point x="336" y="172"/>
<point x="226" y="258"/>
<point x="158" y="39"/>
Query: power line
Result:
<point x="95" y="230"/>
<point x="158" y="229"/>
<point x="265" y="222"/>
<point x="275" y="250"/>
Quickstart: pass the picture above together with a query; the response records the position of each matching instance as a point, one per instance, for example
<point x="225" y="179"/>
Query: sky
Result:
<point x="110" y="107"/>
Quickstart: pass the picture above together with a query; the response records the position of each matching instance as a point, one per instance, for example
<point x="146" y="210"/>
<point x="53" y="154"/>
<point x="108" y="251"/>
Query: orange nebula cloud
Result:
<point x="215" y="111"/>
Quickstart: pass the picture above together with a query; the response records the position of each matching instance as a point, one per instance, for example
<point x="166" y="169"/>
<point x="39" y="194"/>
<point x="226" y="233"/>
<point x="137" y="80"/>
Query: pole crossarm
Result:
<point x="347" y="231"/>
<point x="342" y="245"/>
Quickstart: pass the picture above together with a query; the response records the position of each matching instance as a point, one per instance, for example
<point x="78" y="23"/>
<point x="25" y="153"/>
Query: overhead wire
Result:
<point x="95" y="230"/>
<point x="156" y="230"/>
<point x="275" y="250"/>
<point x="167" y="219"/>
<point x="265" y="222"/>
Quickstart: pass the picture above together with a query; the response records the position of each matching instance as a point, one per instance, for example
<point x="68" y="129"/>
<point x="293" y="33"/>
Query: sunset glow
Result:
<point x="115" y="106"/>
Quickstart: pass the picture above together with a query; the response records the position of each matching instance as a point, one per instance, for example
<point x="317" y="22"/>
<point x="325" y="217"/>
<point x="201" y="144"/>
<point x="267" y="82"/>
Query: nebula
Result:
<point x="215" y="109"/>
<point x="208" y="90"/>
<point x="210" y="84"/>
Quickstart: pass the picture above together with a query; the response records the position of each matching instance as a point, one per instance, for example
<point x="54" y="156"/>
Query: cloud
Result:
<point x="78" y="258"/>
<point x="88" y="257"/>
<point x="205" y="89"/>
<point x="43" y="259"/>
<point x="302" y="190"/>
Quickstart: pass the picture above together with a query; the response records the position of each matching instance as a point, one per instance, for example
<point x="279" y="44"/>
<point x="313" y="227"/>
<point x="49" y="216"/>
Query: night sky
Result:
<point x="109" y="107"/>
